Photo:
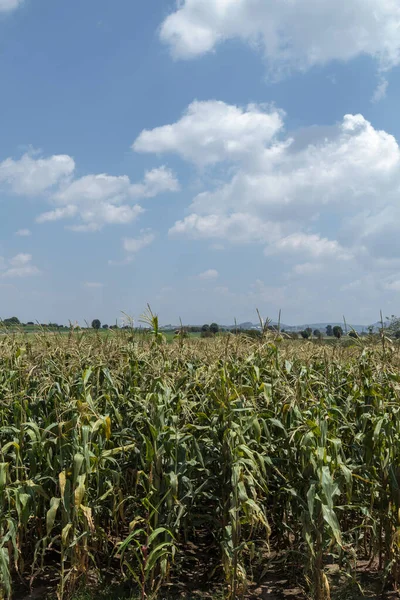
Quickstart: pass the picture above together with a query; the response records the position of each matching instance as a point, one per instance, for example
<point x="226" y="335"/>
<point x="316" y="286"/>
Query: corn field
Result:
<point x="128" y="455"/>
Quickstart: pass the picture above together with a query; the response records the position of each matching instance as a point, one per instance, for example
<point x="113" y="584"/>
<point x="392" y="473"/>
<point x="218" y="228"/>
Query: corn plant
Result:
<point x="123" y="455"/>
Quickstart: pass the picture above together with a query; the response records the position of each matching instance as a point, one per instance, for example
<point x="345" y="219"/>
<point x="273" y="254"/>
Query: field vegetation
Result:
<point x="203" y="465"/>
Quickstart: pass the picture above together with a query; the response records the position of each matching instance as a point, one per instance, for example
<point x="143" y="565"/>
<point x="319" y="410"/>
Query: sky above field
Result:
<point x="210" y="157"/>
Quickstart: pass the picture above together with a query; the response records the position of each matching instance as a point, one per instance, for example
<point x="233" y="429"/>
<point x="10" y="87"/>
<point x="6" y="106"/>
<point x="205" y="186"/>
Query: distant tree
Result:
<point x="206" y="334"/>
<point x="337" y="332"/>
<point x="105" y="326"/>
<point x="305" y="334"/>
<point x="30" y="323"/>
<point x="214" y="328"/>
<point x="353" y="334"/>
<point x="12" y="321"/>
<point x="329" y="330"/>
<point x="309" y="331"/>
<point x="96" y="324"/>
<point x="205" y="328"/>
<point x="317" y="334"/>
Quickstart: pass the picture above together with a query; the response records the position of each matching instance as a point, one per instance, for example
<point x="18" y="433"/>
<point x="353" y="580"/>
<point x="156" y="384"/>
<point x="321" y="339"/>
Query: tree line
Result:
<point x="335" y="331"/>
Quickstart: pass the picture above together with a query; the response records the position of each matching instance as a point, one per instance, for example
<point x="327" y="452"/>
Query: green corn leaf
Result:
<point x="331" y="518"/>
<point x="311" y="499"/>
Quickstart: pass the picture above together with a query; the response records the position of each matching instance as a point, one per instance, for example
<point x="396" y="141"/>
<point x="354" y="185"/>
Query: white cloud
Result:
<point x="307" y="245"/>
<point x="9" y="5"/>
<point x="20" y="260"/>
<point x="26" y="271"/>
<point x="309" y="254"/>
<point x="30" y="176"/>
<point x="96" y="200"/>
<point x="100" y="200"/>
<point x="115" y="190"/>
<point x="210" y="132"/>
<point x="95" y="217"/>
<point x="354" y="166"/>
<point x="276" y="179"/>
<point x="134" y="245"/>
<point x="279" y="187"/>
<point x="208" y="275"/>
<point x="292" y="35"/>
<point x="237" y="228"/>
<point x="65" y="212"/>
<point x="319" y="199"/>
<point x="23" y="232"/>
<point x="380" y="91"/>
<point x="18" y="266"/>
<point x="156" y="181"/>
<point x="94" y="188"/>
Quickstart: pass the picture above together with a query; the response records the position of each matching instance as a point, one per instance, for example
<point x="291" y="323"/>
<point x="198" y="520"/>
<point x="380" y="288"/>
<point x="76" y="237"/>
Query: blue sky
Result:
<point x="209" y="157"/>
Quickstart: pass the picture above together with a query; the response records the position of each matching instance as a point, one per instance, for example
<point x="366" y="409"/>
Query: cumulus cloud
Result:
<point x="309" y="254"/>
<point x="99" y="200"/>
<point x="95" y="200"/>
<point x="65" y="212"/>
<point x="23" y="232"/>
<point x="307" y="245"/>
<point x="155" y="182"/>
<point x="211" y="132"/>
<point x="236" y="227"/>
<point x="355" y="165"/>
<point x="292" y="35"/>
<point x="18" y="266"/>
<point x="289" y="182"/>
<point x="276" y="178"/>
<point x="94" y="188"/>
<point x="20" y="260"/>
<point x="315" y="199"/>
<point x="134" y="245"/>
<point x="108" y="188"/>
<point x="30" y="176"/>
<point x="95" y="217"/>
